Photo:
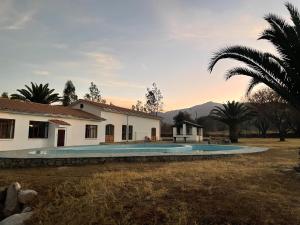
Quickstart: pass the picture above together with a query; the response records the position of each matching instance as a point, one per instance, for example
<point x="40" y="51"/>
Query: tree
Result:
<point x="4" y="95"/>
<point x="258" y="101"/>
<point x="271" y="110"/>
<point x="232" y="114"/>
<point x="69" y="95"/>
<point x="181" y="117"/>
<point x="37" y="93"/>
<point x="154" y="98"/>
<point x="210" y="125"/>
<point x="139" y="107"/>
<point x="281" y="73"/>
<point x="94" y="94"/>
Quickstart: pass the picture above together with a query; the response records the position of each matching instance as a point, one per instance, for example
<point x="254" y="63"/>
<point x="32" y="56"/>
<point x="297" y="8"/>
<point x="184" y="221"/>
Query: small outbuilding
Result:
<point x="188" y="132"/>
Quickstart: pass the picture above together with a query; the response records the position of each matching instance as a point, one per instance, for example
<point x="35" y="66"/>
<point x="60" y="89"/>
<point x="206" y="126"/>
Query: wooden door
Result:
<point x="109" y="133"/>
<point x="153" y="134"/>
<point x="61" y="138"/>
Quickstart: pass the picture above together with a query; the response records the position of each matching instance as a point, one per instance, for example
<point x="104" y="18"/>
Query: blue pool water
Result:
<point x="135" y="149"/>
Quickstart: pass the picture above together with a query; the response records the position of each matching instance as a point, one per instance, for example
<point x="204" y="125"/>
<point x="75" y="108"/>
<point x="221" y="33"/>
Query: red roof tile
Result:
<point x="117" y="109"/>
<point x="44" y="109"/>
<point x="60" y="122"/>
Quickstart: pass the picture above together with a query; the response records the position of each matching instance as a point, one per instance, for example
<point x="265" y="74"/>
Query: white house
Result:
<point x="122" y="124"/>
<point x="25" y="125"/>
<point x="188" y="131"/>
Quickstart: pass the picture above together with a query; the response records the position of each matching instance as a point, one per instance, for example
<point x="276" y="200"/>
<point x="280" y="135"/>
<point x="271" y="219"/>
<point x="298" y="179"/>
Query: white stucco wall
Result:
<point x="141" y="126"/>
<point x="75" y="134"/>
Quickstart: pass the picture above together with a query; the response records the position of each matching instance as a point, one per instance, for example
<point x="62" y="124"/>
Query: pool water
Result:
<point x="134" y="148"/>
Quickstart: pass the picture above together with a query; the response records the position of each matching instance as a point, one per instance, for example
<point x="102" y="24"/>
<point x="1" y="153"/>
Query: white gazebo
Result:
<point x="188" y="132"/>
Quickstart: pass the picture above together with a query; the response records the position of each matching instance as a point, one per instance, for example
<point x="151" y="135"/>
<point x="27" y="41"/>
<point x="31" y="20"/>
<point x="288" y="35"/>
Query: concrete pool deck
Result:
<point x="22" y="158"/>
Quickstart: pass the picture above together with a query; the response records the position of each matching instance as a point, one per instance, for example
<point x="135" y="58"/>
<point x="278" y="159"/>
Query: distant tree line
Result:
<point x="264" y="111"/>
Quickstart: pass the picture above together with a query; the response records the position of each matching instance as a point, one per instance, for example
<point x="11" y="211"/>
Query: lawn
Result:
<point x="249" y="189"/>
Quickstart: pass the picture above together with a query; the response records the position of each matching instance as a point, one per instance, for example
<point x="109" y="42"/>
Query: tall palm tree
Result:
<point x="37" y="93"/>
<point x="232" y="114"/>
<point x="280" y="72"/>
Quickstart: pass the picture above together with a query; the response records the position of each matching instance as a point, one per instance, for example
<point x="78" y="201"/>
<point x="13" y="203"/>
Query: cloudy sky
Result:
<point x="123" y="46"/>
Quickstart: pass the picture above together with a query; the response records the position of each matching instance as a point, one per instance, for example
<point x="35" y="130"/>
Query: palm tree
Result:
<point x="232" y="114"/>
<point x="37" y="93"/>
<point x="281" y="73"/>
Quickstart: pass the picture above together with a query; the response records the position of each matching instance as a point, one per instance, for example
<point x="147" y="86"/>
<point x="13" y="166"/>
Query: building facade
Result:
<point x="188" y="131"/>
<point x="122" y="124"/>
<point x="25" y="125"/>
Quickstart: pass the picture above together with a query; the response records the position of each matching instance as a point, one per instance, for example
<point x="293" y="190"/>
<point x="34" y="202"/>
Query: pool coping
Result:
<point x="19" y="161"/>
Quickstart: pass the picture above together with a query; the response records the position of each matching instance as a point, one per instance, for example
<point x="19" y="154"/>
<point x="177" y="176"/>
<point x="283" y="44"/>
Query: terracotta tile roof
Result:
<point x="45" y="110"/>
<point x="190" y="123"/>
<point x="60" y="122"/>
<point x="117" y="109"/>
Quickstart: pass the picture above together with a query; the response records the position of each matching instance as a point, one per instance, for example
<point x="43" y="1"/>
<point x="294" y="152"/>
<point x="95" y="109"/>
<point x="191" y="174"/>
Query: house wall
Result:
<point x="194" y="137"/>
<point x="141" y="126"/>
<point x="75" y="134"/>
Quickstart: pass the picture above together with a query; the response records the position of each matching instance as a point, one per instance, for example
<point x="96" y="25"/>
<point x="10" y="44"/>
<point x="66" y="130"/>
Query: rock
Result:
<point x="1" y="211"/>
<point x="16" y="219"/>
<point x="26" y="209"/>
<point x="27" y="196"/>
<point x="12" y="205"/>
<point x="3" y="191"/>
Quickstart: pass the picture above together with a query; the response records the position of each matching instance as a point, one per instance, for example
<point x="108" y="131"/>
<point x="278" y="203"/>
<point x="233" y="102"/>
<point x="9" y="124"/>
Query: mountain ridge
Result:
<point x="195" y="111"/>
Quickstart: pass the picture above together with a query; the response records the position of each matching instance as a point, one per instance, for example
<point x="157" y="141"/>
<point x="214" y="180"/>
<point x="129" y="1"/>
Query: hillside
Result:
<point x="194" y="111"/>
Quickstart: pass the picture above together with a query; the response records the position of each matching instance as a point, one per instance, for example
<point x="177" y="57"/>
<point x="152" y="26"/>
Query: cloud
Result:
<point x="104" y="61"/>
<point x="201" y="25"/>
<point x="12" y="18"/>
<point x="20" y="22"/>
<point x="41" y="72"/>
<point x="122" y="84"/>
<point x="59" y="45"/>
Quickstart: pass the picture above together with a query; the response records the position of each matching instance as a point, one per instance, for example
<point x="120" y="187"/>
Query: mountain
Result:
<point x="194" y="111"/>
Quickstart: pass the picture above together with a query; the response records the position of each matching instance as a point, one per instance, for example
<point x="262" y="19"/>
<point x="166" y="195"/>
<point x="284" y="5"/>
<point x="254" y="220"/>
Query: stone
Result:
<point x="1" y="211"/>
<point x="16" y="219"/>
<point x="3" y="191"/>
<point x="26" y="209"/>
<point x="27" y="196"/>
<point x="12" y="205"/>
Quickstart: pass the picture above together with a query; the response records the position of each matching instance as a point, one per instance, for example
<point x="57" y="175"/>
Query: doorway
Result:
<point x="109" y="133"/>
<point x="153" y="134"/>
<point x="61" y="138"/>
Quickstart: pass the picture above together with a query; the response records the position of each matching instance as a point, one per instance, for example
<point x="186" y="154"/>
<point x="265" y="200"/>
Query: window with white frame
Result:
<point x="7" y="128"/>
<point x="91" y="131"/>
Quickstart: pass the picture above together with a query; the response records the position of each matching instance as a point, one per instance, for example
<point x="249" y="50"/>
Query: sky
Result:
<point x="124" y="46"/>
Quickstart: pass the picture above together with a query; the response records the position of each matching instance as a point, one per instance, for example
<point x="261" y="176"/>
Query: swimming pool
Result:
<point x="99" y="154"/>
<point x="138" y="149"/>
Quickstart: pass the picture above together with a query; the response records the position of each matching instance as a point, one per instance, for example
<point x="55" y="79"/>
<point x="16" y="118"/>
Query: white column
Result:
<point x="184" y="129"/>
<point x="201" y="134"/>
<point x="174" y="131"/>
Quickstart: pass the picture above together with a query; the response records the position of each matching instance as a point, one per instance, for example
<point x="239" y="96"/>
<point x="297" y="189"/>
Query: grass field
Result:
<point x="250" y="189"/>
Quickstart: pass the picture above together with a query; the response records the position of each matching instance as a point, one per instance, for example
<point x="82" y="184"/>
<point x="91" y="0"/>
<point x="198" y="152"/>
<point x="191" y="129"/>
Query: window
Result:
<point x="7" y="129"/>
<point x="38" y="129"/>
<point x="124" y="131"/>
<point x="130" y="132"/>
<point x="81" y="106"/>
<point x="91" y="131"/>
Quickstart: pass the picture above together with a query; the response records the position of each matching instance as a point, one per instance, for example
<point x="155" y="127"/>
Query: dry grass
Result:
<point x="248" y="189"/>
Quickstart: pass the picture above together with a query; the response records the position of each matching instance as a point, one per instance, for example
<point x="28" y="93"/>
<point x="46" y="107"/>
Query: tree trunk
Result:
<point x="233" y="133"/>
<point x="282" y="135"/>
<point x="264" y="133"/>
